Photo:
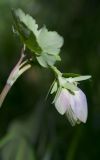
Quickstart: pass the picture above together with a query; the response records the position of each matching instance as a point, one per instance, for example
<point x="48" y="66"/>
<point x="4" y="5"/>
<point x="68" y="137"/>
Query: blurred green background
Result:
<point x="30" y="127"/>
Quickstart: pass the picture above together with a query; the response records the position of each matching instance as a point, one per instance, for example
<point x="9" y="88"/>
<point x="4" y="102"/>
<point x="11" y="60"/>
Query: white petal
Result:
<point x="71" y="116"/>
<point x="63" y="101"/>
<point x="79" y="105"/>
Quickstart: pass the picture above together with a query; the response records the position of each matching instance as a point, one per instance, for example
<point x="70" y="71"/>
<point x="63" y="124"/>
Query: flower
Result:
<point x="69" y="99"/>
<point x="73" y="105"/>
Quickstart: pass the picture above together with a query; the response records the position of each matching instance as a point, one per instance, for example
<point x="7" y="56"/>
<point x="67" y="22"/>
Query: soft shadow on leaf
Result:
<point x="25" y="27"/>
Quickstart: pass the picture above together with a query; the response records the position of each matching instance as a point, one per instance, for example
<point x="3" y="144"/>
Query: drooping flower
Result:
<point x="69" y="99"/>
<point x="73" y="105"/>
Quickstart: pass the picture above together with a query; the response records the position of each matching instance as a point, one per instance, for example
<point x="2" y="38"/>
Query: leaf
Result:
<point x="50" y="41"/>
<point x="28" y="21"/>
<point x="46" y="60"/>
<point x="46" y="44"/>
<point x="42" y="61"/>
<point x="27" y="29"/>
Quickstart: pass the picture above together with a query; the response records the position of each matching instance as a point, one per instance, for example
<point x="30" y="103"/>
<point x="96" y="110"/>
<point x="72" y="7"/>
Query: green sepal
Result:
<point x="70" y="86"/>
<point x="67" y="75"/>
<point x="57" y="94"/>
<point x="54" y="87"/>
<point x="81" y="78"/>
<point x="76" y="77"/>
<point x="50" y="91"/>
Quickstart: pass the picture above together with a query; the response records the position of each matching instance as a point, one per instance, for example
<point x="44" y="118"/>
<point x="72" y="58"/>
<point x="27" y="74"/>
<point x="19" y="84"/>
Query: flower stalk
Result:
<point x="17" y="71"/>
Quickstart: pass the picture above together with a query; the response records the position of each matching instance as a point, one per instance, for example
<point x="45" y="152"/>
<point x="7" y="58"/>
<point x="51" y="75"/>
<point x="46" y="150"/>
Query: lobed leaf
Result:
<point x="46" y="44"/>
<point x="50" y="41"/>
<point x="27" y="29"/>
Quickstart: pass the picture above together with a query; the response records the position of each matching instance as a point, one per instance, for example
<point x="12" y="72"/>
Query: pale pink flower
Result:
<point x="73" y="105"/>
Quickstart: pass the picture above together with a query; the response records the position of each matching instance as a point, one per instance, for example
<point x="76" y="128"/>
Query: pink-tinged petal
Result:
<point x="79" y="105"/>
<point x="63" y="101"/>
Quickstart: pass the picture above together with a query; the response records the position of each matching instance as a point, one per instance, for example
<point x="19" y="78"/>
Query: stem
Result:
<point x="8" y="86"/>
<point x="15" y="70"/>
<point x="56" y="71"/>
<point x="4" y="93"/>
<point x="18" y="70"/>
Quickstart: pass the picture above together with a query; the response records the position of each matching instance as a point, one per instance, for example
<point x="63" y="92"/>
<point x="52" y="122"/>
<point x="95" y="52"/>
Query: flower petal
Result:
<point x="79" y="105"/>
<point x="63" y="101"/>
<point x="72" y="117"/>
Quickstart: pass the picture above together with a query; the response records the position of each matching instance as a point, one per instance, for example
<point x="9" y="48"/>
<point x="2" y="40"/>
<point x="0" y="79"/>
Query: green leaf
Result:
<point x="50" y="41"/>
<point x="27" y="29"/>
<point x="27" y="20"/>
<point x="46" y="60"/>
<point x="42" y="61"/>
<point x="46" y="44"/>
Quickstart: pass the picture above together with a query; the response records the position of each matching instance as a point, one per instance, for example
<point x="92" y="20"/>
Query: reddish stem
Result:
<point x="4" y="93"/>
<point x="13" y="76"/>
